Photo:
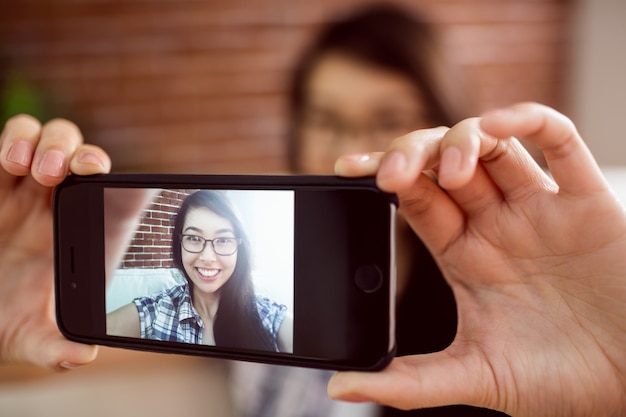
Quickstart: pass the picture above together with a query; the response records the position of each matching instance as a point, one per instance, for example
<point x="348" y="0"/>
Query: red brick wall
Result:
<point x="199" y="86"/>
<point x="151" y="244"/>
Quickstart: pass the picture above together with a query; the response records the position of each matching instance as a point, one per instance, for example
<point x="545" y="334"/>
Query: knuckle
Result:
<point x="62" y="130"/>
<point x="418" y="199"/>
<point x="22" y="118"/>
<point x="20" y="126"/>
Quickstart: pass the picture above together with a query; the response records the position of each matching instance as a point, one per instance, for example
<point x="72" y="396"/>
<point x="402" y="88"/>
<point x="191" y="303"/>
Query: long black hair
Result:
<point x="388" y="37"/>
<point x="237" y="322"/>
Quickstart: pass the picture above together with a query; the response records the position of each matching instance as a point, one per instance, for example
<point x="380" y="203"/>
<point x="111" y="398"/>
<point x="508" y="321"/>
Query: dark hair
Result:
<point x="384" y="36"/>
<point x="237" y="322"/>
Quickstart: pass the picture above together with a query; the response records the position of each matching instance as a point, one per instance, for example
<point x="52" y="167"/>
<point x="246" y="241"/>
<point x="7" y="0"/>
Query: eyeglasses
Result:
<point x="332" y="128"/>
<point x="224" y="246"/>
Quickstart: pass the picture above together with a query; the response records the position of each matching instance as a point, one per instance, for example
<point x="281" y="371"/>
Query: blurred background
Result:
<point x="200" y="87"/>
<point x="144" y="74"/>
<point x="141" y="76"/>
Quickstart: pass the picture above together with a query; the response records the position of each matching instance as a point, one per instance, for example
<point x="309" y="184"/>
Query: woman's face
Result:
<point x="207" y="270"/>
<point x="353" y="107"/>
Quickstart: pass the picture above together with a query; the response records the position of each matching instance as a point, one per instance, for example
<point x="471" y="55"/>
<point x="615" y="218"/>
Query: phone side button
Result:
<point x="368" y="278"/>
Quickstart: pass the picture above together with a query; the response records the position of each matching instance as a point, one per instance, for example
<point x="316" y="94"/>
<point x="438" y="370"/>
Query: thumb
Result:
<point x="65" y="354"/>
<point x="51" y="350"/>
<point x="418" y="381"/>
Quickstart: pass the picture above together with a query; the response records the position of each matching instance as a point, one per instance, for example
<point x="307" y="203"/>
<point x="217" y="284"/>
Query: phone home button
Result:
<point x="368" y="278"/>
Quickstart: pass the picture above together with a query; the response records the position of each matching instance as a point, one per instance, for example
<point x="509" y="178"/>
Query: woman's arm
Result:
<point x="285" y="334"/>
<point x="122" y="211"/>
<point x="124" y="321"/>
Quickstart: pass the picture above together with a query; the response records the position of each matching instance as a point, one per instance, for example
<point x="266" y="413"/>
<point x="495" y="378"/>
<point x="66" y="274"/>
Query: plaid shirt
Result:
<point x="170" y="316"/>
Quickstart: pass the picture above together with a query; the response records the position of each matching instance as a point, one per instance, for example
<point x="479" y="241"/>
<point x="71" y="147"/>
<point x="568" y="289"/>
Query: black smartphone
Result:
<point x="293" y="270"/>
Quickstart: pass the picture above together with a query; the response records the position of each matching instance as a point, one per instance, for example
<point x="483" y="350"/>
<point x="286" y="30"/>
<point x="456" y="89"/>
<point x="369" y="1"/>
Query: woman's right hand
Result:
<point x="536" y="264"/>
<point x="33" y="159"/>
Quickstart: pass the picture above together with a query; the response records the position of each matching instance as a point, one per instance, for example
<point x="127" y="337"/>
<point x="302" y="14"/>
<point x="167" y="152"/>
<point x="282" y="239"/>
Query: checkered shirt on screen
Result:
<point x="170" y="316"/>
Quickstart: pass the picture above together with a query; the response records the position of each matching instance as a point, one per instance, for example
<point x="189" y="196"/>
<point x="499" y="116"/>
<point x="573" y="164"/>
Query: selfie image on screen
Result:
<point x="212" y="267"/>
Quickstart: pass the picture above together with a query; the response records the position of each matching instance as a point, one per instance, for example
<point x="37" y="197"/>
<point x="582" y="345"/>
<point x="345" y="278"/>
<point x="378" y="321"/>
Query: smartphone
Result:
<point x="292" y="270"/>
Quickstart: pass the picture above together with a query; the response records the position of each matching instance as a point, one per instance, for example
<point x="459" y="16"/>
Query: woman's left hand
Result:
<point x="537" y="266"/>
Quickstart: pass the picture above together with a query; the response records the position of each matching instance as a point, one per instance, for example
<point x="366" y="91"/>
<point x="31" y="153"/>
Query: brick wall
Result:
<point x="154" y="82"/>
<point x="151" y="244"/>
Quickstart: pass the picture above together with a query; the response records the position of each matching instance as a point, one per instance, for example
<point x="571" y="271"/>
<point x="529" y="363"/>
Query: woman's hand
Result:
<point x="33" y="159"/>
<point x="537" y="266"/>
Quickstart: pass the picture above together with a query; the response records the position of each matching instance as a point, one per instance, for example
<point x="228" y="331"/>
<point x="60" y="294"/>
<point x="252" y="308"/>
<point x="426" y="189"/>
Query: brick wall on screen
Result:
<point x="199" y="86"/>
<point x="151" y="244"/>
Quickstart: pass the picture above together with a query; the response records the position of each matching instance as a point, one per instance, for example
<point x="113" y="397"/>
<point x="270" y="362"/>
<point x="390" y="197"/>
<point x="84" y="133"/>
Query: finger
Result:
<point x="436" y="216"/>
<point x="428" y="210"/>
<point x="407" y="157"/>
<point x="460" y="148"/>
<point x="358" y="165"/>
<point x="509" y="170"/>
<point x="418" y="381"/>
<point x="44" y="346"/>
<point x="59" y="141"/>
<point x="89" y="160"/>
<point x="570" y="161"/>
<point x="18" y="141"/>
<point x="61" y="353"/>
<point x="421" y="152"/>
<point x="459" y="172"/>
<point x="431" y="213"/>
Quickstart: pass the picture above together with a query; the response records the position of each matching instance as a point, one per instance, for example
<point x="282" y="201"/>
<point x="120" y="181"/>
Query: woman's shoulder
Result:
<point x="271" y="313"/>
<point x="268" y="306"/>
<point x="176" y="294"/>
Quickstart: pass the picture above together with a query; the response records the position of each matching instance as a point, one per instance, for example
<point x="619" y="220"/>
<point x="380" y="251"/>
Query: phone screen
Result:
<point x="275" y="269"/>
<point x="175" y="275"/>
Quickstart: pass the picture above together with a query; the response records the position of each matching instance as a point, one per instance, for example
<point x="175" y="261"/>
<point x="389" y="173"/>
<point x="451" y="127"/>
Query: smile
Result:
<point x="208" y="273"/>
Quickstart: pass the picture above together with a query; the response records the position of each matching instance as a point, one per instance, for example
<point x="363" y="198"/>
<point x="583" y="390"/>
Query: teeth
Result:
<point x="208" y="272"/>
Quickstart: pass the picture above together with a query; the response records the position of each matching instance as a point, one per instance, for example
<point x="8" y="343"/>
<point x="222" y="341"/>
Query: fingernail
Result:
<point x="365" y="160"/>
<point x="90" y="158"/>
<point x="451" y="160"/>
<point x="392" y="164"/>
<point x="52" y="163"/>
<point x="353" y="398"/>
<point x="361" y="157"/>
<point x="20" y="153"/>
<point x="494" y="112"/>
<point x="69" y="365"/>
<point x="337" y="390"/>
